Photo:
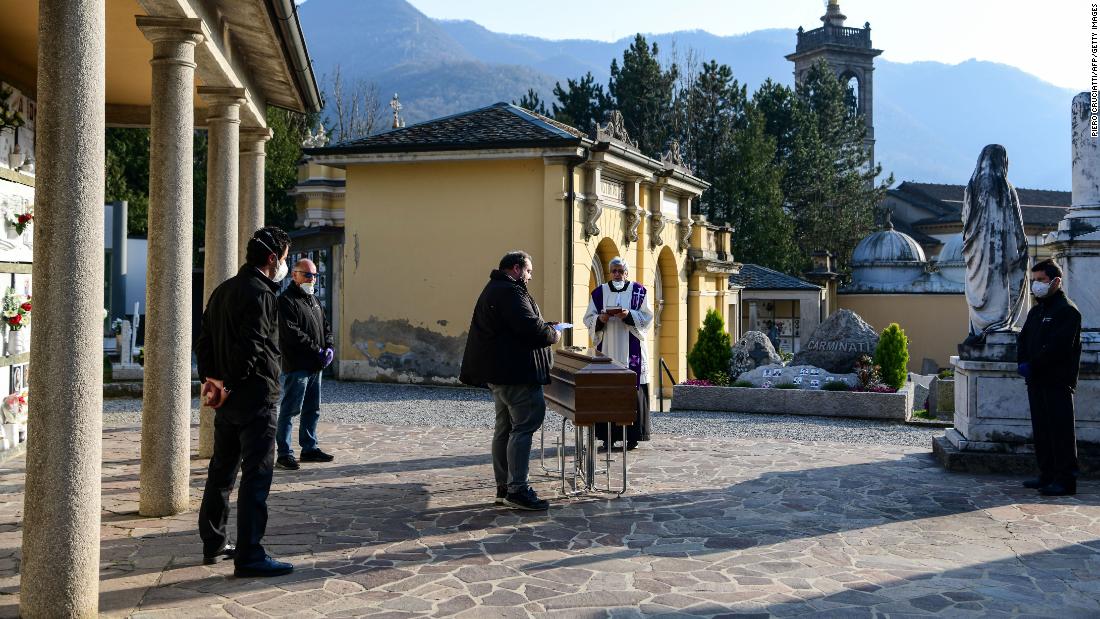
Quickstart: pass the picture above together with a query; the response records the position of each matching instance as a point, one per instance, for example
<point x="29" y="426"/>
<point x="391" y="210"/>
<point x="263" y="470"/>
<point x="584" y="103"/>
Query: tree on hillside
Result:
<point x="643" y="91"/>
<point x="127" y="174"/>
<point x="353" y="108"/>
<point x="284" y="151"/>
<point x="581" y="104"/>
<point x="532" y="101"/>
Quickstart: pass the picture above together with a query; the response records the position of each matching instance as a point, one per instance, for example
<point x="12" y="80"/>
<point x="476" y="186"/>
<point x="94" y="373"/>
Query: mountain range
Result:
<point x="931" y="119"/>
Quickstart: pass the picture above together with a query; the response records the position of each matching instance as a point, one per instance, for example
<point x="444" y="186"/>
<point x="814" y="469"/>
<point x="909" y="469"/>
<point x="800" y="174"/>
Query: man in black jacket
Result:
<point x="238" y="354"/>
<point x="1049" y="358"/>
<point x="305" y="338"/>
<point x="508" y="350"/>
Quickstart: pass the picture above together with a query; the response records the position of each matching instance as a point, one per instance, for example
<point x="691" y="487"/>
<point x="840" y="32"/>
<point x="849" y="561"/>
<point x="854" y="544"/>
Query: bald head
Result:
<point x="305" y="272"/>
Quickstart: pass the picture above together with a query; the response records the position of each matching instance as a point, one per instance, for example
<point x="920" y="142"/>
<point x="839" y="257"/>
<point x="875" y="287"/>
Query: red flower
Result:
<point x="24" y="218"/>
<point x="26" y="307"/>
<point x="16" y="319"/>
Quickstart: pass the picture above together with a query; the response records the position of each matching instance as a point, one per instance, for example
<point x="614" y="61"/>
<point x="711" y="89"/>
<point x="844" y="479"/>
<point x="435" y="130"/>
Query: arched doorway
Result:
<point x="667" y="318"/>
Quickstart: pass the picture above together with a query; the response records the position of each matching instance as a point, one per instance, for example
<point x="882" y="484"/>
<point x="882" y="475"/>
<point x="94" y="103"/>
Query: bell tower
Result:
<point x="849" y="53"/>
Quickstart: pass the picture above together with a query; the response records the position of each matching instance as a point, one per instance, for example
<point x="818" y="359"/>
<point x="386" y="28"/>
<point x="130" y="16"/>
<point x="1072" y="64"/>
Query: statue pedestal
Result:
<point x="992" y="432"/>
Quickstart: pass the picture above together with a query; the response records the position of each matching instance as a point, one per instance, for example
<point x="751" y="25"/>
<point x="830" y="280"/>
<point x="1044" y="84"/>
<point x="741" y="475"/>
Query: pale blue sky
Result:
<point x="1048" y="38"/>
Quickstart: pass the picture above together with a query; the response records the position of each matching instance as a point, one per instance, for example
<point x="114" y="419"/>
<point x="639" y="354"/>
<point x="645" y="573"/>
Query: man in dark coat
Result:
<point x="1049" y="358"/>
<point x="305" y="338"/>
<point x="508" y="350"/>
<point x="238" y="355"/>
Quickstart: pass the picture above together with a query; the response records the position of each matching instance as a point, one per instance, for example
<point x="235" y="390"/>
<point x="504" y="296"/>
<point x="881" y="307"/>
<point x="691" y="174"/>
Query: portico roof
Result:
<point x="252" y="44"/>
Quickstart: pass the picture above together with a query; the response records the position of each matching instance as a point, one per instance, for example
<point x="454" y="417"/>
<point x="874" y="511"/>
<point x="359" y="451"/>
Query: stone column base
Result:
<point x="992" y="432"/>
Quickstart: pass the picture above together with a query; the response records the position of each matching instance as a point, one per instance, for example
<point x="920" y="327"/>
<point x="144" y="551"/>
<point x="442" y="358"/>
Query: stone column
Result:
<point x="1077" y="241"/>
<point x="166" y="403"/>
<point x="222" y="195"/>
<point x="60" y="557"/>
<point x="250" y="211"/>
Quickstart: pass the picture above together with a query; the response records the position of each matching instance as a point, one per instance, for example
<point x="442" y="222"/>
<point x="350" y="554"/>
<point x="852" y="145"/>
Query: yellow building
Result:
<point x="430" y="209"/>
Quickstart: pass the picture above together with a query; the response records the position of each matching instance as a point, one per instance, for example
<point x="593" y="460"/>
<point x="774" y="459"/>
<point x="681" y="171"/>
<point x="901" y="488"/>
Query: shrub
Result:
<point x="720" y="379"/>
<point x="743" y="383"/>
<point x="785" y="356"/>
<point x="836" y="385"/>
<point x="948" y="374"/>
<point x="108" y="371"/>
<point x="867" y="374"/>
<point x="698" y="382"/>
<point x="892" y="355"/>
<point x="712" y="350"/>
<point x="786" y="386"/>
<point x="923" y="414"/>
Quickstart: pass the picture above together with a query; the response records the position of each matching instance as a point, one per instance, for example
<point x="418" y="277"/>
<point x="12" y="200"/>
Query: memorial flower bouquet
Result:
<point x="14" y="408"/>
<point x="19" y="217"/>
<point x="116" y="326"/>
<point x="16" y="310"/>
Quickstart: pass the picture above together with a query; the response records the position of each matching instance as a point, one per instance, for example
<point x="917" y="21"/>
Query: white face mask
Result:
<point x="1040" y="289"/>
<point x="281" y="272"/>
<point x="306" y="288"/>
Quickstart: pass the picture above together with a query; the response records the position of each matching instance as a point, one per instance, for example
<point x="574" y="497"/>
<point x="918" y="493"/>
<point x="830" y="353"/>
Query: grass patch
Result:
<point x="924" y="414"/>
<point x="743" y="383"/>
<point x="786" y="386"/>
<point x="836" y="385"/>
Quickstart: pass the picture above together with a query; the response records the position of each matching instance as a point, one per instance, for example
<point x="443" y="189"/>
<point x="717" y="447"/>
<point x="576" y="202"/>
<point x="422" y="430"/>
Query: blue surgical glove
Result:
<point x="327" y="359"/>
<point x="1024" y="369"/>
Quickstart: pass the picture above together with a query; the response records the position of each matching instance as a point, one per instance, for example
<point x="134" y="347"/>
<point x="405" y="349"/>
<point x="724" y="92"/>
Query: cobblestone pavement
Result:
<point x="402" y="524"/>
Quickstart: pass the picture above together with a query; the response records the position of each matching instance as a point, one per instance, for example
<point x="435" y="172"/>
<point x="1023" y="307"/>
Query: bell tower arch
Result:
<point x="849" y="53"/>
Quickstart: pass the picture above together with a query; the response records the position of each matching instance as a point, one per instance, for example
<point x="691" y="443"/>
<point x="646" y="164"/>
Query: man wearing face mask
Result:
<point x="1049" y="357"/>
<point x="305" y="338"/>
<point x="238" y="355"/>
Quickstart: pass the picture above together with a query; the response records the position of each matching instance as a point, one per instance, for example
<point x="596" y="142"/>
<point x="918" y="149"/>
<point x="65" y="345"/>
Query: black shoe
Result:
<point x="288" y="463"/>
<point x="263" y="568"/>
<point x="316" y="456"/>
<point x="227" y="552"/>
<point x="1036" y="483"/>
<point x="527" y="500"/>
<point x="1057" y="489"/>
<point x="502" y="491"/>
<point x="631" y="445"/>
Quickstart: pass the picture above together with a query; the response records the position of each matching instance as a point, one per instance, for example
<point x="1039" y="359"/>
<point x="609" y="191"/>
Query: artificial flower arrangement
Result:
<point x="16" y="310"/>
<point x="19" y="217"/>
<point x="14" y="408"/>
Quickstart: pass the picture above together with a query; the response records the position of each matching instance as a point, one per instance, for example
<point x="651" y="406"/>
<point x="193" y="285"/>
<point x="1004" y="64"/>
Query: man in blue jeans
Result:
<point x="508" y="350"/>
<point x="305" y="337"/>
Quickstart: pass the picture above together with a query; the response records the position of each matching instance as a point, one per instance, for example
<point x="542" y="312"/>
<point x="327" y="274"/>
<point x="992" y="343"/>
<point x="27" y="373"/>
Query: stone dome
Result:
<point x="950" y="262"/>
<point x="886" y="247"/>
<point x="887" y="260"/>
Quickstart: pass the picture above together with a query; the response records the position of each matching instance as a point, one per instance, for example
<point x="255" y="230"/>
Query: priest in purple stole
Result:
<point x="618" y="317"/>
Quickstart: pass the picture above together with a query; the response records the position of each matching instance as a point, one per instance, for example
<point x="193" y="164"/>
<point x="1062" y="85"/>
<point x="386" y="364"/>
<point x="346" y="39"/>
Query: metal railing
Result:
<point x="661" y="372"/>
<point x="836" y="35"/>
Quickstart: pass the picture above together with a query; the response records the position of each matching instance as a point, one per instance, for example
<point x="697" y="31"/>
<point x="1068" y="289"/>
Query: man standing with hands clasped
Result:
<point x="305" y="337"/>
<point x="238" y="354"/>
<point x="1049" y="358"/>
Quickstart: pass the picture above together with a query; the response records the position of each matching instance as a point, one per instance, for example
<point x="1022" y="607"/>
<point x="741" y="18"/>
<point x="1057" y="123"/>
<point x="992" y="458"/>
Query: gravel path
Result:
<point x="387" y="404"/>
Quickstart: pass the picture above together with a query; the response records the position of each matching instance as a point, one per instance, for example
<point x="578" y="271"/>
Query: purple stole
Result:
<point x="637" y="297"/>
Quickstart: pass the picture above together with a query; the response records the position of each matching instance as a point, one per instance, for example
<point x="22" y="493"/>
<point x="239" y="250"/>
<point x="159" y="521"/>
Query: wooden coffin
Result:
<point x="589" y="388"/>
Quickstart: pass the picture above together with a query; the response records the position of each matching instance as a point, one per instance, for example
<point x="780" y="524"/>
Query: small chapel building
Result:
<point x="429" y="209"/>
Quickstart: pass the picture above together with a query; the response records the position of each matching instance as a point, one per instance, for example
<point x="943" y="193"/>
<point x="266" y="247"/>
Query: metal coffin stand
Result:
<point x="587" y="388"/>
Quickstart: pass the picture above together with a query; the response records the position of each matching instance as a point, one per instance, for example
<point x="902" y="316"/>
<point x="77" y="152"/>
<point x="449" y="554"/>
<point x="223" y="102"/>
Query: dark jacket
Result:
<point x="1050" y="341"/>
<point x="303" y="330"/>
<point x="509" y="342"/>
<point x="239" y="340"/>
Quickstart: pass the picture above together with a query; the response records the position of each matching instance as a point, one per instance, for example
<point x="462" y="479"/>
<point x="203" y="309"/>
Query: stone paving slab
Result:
<point x="402" y="525"/>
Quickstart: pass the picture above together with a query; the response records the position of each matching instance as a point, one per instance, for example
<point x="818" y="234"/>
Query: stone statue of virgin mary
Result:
<point x="994" y="247"/>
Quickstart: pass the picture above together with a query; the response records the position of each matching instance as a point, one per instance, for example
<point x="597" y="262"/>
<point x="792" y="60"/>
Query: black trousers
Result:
<point x="243" y="440"/>
<point x="1053" y="429"/>
<point x="637" y="432"/>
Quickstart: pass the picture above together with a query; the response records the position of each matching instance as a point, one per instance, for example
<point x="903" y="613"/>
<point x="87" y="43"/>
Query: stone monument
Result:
<point x="995" y="251"/>
<point x="753" y="350"/>
<point x="992" y="431"/>
<point x="838" y="343"/>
